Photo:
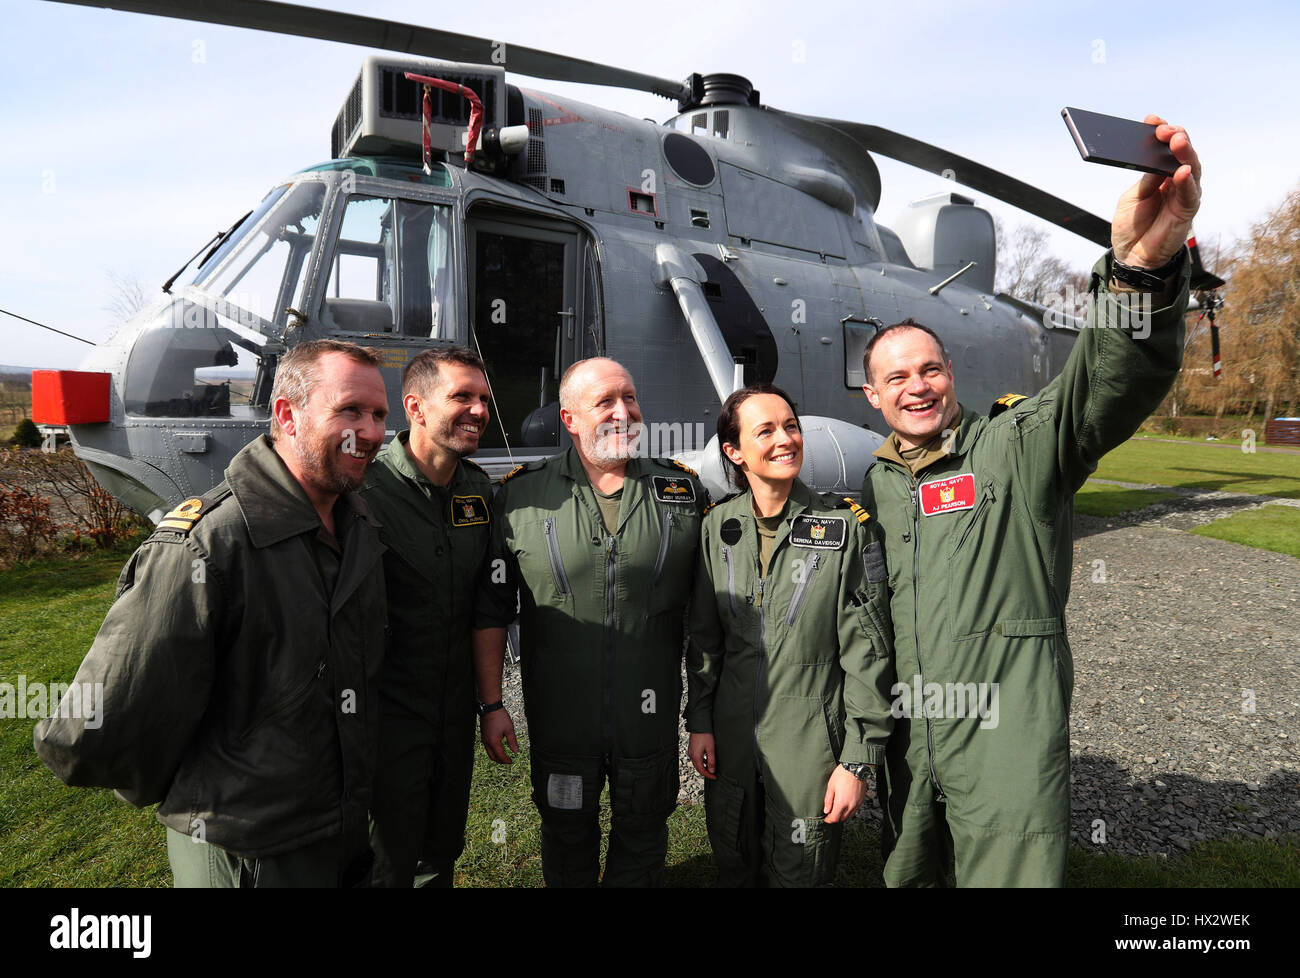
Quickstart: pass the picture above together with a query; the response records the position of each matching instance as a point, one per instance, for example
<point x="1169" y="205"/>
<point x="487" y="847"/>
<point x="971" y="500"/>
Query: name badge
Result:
<point x="468" y="511"/>
<point x="948" y="495"/>
<point x="818" y="532"/>
<point x="672" y="490"/>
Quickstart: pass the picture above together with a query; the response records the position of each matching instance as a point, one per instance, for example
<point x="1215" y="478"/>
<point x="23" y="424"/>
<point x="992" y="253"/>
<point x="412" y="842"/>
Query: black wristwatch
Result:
<point x="1145" y="279"/>
<point x="485" y="708"/>
<point x="858" y="769"/>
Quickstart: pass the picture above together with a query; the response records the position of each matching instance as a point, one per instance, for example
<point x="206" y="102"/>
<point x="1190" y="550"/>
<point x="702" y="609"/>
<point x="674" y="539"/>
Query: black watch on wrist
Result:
<point x="485" y="708"/>
<point x="1146" y="279"/>
<point x="858" y="769"/>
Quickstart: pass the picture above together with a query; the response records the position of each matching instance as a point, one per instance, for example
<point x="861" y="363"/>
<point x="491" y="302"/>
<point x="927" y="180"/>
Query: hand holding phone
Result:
<point x="1119" y="142"/>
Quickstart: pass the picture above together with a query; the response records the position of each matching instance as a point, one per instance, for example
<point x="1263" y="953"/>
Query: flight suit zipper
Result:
<point x="611" y="594"/>
<point x="916" y="635"/>
<point x="289" y="703"/>
<point x="665" y="540"/>
<point x="801" y="591"/>
<point x="731" y="580"/>
<point x="970" y="524"/>
<point x="557" y="562"/>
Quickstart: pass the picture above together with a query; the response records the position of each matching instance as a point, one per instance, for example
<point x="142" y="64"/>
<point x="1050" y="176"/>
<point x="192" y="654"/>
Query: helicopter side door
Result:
<point x="526" y="323"/>
<point x="390" y="282"/>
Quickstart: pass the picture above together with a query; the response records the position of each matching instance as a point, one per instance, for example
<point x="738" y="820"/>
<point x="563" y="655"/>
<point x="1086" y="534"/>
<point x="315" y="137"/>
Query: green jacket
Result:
<point x="797" y="666"/>
<point x="979" y="558"/>
<point x="436" y="539"/>
<point x="601" y="616"/>
<point x="238" y="682"/>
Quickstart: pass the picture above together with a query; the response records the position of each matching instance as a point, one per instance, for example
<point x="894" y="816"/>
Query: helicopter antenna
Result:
<point x="493" y="395"/>
<point x="50" y="328"/>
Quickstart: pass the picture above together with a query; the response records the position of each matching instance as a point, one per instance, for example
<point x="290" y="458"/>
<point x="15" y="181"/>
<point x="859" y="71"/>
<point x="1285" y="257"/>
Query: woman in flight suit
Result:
<point x="790" y="662"/>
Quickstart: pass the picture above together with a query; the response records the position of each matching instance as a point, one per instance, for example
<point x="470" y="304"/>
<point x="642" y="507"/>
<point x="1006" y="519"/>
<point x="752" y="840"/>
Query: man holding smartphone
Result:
<point x="977" y="514"/>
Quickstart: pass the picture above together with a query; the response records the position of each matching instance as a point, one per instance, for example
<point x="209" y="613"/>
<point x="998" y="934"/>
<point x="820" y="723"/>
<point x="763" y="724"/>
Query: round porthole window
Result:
<point x="688" y="159"/>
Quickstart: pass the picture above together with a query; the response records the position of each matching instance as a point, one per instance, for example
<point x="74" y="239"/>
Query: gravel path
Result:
<point x="1186" y="711"/>
<point x="1194" y="507"/>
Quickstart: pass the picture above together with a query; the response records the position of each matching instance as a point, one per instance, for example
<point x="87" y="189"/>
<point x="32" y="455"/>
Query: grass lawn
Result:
<point x="56" y="836"/>
<point x="1271" y="528"/>
<point x="1103" y="501"/>
<point x="1203" y="466"/>
<point x="51" y="835"/>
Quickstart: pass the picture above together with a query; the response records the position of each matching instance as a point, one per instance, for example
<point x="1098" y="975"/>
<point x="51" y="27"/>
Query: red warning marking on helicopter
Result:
<point x="555" y="120"/>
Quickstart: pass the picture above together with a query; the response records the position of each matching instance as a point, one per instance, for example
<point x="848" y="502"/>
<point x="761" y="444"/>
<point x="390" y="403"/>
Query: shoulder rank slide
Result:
<point x="685" y="468"/>
<point x="470" y="463"/>
<point x="511" y="474"/>
<point x="858" y="511"/>
<point x="1004" y="402"/>
<point x="184" y="516"/>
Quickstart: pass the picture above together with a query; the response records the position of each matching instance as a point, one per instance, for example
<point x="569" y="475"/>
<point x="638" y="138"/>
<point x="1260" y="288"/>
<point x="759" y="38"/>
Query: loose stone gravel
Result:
<point x="1184" y="723"/>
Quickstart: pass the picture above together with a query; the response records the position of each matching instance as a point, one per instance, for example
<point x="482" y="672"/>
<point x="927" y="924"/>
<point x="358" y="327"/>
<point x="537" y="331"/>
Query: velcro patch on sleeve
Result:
<point x="468" y="511"/>
<point x="948" y="495"/>
<point x="818" y="532"/>
<point x="873" y="561"/>
<point x="669" y="489"/>
<point x="184" y="516"/>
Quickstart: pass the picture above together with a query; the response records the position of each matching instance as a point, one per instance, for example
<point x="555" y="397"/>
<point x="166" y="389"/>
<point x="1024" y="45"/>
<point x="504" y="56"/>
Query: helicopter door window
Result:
<point x="525" y="324"/>
<point x="391" y="271"/>
<point x="262" y="275"/>
<point x="593" y="326"/>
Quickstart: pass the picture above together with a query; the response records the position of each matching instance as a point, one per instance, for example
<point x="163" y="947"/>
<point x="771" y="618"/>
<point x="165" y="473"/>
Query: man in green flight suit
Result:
<point x="978" y="514"/>
<point x="600" y="546"/>
<point x="239" y="660"/>
<point x="433" y="504"/>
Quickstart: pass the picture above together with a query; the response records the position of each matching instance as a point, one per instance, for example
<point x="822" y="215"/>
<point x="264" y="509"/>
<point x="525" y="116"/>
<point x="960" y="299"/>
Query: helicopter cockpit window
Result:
<point x="264" y="275"/>
<point x="700" y="124"/>
<point x="236" y="234"/>
<point x="193" y="364"/>
<point x="721" y="122"/>
<point x="391" y="271"/>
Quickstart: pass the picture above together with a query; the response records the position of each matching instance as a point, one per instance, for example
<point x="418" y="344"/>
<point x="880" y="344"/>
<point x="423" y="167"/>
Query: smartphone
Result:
<point x="1119" y="142"/>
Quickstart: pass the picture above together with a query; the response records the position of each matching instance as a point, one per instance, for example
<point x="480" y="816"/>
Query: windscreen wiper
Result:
<point x="214" y="241"/>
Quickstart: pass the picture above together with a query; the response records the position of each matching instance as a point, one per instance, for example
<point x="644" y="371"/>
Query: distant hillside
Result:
<point x="11" y="373"/>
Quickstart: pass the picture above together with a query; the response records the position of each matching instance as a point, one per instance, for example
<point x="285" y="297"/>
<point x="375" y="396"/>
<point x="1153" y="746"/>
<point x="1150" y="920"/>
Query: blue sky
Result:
<point x="128" y="140"/>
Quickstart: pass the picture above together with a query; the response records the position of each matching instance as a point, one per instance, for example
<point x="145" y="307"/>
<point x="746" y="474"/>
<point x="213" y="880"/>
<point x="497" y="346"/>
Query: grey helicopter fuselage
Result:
<point x="718" y="248"/>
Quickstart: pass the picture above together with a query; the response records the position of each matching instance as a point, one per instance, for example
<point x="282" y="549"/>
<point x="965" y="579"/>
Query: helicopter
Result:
<point x="731" y="244"/>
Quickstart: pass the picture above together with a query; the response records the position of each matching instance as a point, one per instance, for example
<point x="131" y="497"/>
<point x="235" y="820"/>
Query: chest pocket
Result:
<point x="803" y="575"/>
<point x="970" y="530"/>
<point x="674" y="562"/>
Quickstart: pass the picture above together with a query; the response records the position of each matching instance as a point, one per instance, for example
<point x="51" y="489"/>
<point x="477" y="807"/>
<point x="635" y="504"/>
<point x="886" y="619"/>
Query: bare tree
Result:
<point x="1028" y="270"/>
<point x="126" y="298"/>
<point x="1260" y="324"/>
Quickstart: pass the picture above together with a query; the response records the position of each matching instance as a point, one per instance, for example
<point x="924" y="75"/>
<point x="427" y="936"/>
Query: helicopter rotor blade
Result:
<point x="387" y="35"/>
<point x="977" y="176"/>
